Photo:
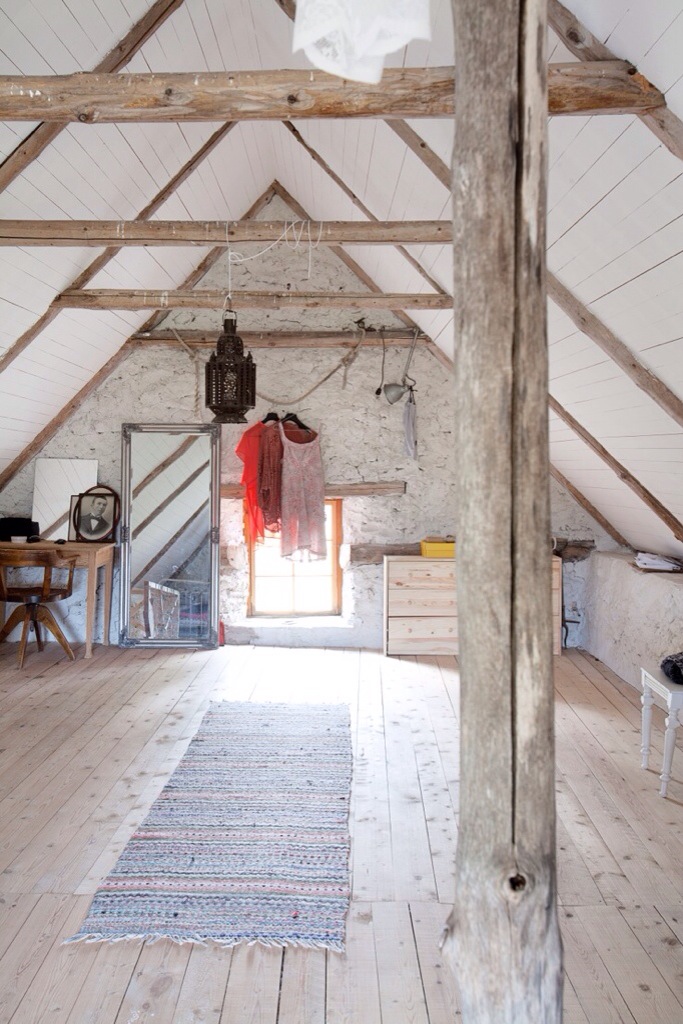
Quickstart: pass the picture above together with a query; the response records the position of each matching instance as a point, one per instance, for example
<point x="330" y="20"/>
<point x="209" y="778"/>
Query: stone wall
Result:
<point x="362" y="440"/>
<point x="632" y="618"/>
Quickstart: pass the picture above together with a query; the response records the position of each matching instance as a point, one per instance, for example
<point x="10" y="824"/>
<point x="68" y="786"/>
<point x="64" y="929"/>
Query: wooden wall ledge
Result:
<point x="364" y="488"/>
<point x="373" y="554"/>
<point x="573" y="550"/>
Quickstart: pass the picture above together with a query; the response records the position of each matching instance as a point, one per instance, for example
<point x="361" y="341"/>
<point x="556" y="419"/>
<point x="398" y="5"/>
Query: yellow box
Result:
<point x="437" y="547"/>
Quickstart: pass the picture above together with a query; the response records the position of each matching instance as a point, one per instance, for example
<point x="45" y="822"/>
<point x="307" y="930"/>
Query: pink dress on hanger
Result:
<point x="302" y="534"/>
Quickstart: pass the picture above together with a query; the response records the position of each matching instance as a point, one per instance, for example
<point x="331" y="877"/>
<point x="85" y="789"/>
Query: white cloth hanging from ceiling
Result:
<point x="410" y="426"/>
<point x="350" y="38"/>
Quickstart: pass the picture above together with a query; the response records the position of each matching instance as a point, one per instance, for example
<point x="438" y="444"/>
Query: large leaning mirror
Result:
<point x="170" y="498"/>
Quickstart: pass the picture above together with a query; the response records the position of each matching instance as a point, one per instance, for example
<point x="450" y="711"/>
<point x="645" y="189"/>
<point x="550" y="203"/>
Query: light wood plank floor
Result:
<point x="86" y="746"/>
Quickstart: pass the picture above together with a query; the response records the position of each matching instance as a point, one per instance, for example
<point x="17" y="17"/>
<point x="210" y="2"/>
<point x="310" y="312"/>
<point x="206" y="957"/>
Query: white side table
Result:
<point x="655" y="680"/>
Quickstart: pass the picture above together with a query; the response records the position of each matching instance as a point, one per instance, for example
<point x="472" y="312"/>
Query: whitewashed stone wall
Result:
<point x="362" y="440"/>
<point x="632" y="619"/>
<point x="570" y="520"/>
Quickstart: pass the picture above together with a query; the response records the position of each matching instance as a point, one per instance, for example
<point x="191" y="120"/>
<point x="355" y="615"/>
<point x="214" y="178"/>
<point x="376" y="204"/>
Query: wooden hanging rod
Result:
<point x="202" y="298"/>
<point x="364" y="488"/>
<point x="282" y="339"/>
<point x="593" y="87"/>
<point x="221" y="232"/>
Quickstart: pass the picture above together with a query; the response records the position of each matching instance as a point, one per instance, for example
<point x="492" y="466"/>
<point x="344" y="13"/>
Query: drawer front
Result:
<point x="421" y="602"/>
<point x="437" y="635"/>
<point x="425" y="573"/>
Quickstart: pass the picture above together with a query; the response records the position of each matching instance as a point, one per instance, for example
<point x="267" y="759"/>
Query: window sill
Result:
<point x="303" y="621"/>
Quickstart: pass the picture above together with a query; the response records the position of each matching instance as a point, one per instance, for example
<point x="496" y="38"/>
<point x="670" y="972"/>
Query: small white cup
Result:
<point x="18" y="540"/>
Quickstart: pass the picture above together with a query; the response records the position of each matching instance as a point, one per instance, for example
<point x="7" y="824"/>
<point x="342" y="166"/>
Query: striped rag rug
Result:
<point x="247" y="842"/>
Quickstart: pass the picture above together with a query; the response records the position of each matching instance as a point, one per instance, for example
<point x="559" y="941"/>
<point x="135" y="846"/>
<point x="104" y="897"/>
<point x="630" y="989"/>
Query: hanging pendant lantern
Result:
<point x="230" y="376"/>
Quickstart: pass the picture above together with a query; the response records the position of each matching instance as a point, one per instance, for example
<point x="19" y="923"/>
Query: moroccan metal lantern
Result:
<point x="230" y="376"/>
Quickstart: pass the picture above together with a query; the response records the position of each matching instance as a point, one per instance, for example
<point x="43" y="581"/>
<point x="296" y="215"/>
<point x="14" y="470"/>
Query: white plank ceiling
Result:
<point x="615" y="219"/>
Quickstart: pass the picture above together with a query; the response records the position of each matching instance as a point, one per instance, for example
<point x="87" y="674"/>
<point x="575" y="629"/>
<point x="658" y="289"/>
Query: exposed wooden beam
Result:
<point x="555" y="289"/>
<point x="440" y="355"/>
<point x="210" y="259"/>
<point x="202" y="298"/>
<point x="401" y="127"/>
<point x="363" y="488"/>
<point x="667" y="127"/>
<point x="622" y="355"/>
<point x="417" y="145"/>
<point x="103" y="259"/>
<point x="318" y="159"/>
<point x="424" y="152"/>
<point x="374" y="338"/>
<point x="224" y="233"/>
<point x="595" y="87"/>
<point x="105" y="371"/>
<point x="662" y="122"/>
<point x="584" y="319"/>
<point x="344" y="257"/>
<point x="288" y="6"/>
<point x="405" y="132"/>
<point x="646" y="496"/>
<point x="592" y="511"/>
<point x="34" y="144"/>
<point x="41" y="439"/>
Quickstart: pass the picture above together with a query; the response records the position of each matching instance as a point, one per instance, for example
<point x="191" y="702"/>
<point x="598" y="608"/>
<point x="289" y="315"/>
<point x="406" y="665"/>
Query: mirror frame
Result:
<point x="213" y="431"/>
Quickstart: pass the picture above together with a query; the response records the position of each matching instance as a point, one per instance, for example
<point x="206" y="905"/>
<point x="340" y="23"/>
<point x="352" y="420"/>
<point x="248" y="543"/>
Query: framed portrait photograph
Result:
<point x="95" y="515"/>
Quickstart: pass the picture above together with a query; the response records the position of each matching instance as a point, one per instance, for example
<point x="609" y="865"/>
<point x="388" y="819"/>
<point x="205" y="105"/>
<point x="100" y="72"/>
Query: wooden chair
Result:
<point x="33" y="596"/>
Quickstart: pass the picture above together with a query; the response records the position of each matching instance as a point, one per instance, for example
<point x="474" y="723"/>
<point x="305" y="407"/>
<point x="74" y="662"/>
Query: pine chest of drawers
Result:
<point x="421" y="610"/>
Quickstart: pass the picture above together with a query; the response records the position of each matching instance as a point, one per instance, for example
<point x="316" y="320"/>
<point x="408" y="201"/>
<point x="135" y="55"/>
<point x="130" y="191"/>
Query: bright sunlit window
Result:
<point x="280" y="586"/>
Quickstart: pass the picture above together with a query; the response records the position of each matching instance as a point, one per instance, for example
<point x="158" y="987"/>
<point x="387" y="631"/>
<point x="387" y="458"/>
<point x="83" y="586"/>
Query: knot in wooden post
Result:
<point x="518" y="884"/>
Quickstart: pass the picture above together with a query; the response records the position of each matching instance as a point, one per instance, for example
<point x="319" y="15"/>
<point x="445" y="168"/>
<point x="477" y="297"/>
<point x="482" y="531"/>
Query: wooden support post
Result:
<point x="503" y="936"/>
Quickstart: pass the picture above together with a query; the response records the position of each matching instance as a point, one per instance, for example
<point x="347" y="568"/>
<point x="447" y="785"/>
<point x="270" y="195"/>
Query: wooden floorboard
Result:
<point x="86" y="746"/>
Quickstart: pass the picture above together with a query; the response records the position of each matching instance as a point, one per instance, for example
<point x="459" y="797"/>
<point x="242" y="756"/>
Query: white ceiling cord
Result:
<point x="296" y="234"/>
<point x="351" y="38"/>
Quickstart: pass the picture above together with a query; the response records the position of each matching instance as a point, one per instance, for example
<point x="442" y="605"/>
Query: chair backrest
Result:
<point x="26" y="558"/>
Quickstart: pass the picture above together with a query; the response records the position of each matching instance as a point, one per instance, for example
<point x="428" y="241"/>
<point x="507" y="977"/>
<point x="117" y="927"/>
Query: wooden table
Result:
<point x="655" y="680"/>
<point x="91" y="557"/>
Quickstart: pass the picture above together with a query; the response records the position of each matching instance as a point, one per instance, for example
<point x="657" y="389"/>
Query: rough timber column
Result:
<point x="503" y="936"/>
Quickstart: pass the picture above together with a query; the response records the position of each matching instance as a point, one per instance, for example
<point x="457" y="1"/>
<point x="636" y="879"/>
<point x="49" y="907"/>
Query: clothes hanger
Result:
<point x="269" y="417"/>
<point x="292" y="417"/>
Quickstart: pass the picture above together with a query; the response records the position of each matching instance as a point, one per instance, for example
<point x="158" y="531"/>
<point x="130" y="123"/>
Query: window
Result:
<point x="280" y="586"/>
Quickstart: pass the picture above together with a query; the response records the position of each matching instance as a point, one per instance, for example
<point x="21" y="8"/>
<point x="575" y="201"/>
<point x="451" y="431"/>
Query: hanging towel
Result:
<point x="410" y="427"/>
<point x="350" y="38"/>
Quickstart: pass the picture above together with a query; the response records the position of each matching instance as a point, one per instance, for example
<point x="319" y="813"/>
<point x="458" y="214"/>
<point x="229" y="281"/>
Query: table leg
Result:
<point x="647" y="701"/>
<point x="108" y="586"/>
<point x="669" y="744"/>
<point x="90" y="593"/>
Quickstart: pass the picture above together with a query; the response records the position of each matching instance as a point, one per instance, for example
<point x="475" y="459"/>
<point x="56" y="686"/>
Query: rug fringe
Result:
<point x="149" y="938"/>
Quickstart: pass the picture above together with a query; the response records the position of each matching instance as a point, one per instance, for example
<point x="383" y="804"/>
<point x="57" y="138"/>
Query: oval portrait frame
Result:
<point x="113" y="512"/>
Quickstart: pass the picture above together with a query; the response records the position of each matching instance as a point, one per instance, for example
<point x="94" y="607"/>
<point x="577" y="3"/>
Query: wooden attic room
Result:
<point x="460" y="279"/>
